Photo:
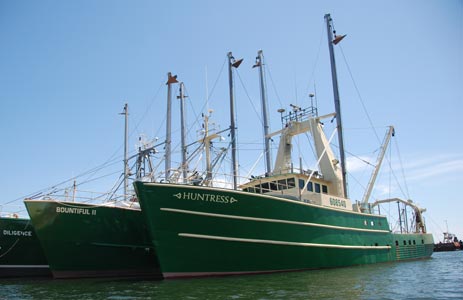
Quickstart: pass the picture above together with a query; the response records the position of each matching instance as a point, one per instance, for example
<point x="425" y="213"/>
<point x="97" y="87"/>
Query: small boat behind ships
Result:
<point x="450" y="243"/>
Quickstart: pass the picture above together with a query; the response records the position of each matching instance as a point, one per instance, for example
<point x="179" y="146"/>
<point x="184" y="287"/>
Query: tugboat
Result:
<point x="450" y="243"/>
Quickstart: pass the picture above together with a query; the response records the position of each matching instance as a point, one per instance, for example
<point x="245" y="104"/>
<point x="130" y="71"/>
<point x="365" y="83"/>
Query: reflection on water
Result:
<point x="435" y="278"/>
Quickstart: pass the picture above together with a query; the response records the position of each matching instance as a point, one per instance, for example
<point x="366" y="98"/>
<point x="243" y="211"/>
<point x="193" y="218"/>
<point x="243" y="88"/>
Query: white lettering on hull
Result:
<point x="75" y="211"/>
<point x="205" y="197"/>
<point x="17" y="232"/>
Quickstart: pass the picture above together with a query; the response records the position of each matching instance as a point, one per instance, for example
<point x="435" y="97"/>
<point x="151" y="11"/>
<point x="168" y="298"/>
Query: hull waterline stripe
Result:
<point x="270" y="220"/>
<point x="171" y="275"/>
<point x="232" y="239"/>
<point x="24" y="266"/>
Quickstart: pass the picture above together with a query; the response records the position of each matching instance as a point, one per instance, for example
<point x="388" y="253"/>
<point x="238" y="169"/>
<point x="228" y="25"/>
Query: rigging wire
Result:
<point x="131" y="133"/>
<point x="216" y="81"/>
<point x="359" y="95"/>
<point x="317" y="58"/>
<point x="196" y="121"/>
<point x="54" y="186"/>
<point x="208" y="98"/>
<point x="112" y="160"/>
<point x="402" y="168"/>
<point x="206" y="103"/>
<point x="258" y="117"/>
<point x="250" y="100"/>
<point x="406" y="193"/>
<point x="148" y="110"/>
<point x="267" y="68"/>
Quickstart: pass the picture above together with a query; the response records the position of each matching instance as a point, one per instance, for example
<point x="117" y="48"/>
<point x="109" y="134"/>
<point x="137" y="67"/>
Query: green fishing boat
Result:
<point x="86" y="240"/>
<point x="209" y="231"/>
<point x="285" y="220"/>
<point x="96" y="235"/>
<point x="21" y="254"/>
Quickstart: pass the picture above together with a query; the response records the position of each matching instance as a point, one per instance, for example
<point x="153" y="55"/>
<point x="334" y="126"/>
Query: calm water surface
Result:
<point x="437" y="278"/>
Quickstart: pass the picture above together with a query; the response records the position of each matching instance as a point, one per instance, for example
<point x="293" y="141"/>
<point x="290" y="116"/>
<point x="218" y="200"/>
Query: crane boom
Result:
<point x="371" y="183"/>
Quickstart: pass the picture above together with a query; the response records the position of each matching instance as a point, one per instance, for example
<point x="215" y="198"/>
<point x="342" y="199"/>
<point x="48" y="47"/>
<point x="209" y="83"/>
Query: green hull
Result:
<point x="82" y="240"/>
<point x="200" y="231"/>
<point x="20" y="252"/>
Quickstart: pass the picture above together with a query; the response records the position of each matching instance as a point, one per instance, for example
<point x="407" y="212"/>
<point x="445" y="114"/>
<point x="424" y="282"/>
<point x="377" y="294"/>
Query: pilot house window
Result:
<point x="291" y="183"/>
<point x="282" y="185"/>
<point x="310" y="186"/>
<point x="324" y="189"/>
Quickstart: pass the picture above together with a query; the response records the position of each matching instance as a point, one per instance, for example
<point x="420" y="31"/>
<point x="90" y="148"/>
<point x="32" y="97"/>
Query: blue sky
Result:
<point x="68" y="67"/>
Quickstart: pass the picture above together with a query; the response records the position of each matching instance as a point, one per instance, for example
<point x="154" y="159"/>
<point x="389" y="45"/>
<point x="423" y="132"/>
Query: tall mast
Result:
<point x="263" y="95"/>
<point x="170" y="80"/>
<point x="183" y="132"/>
<point x="126" y="146"/>
<point x="337" y="103"/>
<point x="232" y="63"/>
<point x="207" y="145"/>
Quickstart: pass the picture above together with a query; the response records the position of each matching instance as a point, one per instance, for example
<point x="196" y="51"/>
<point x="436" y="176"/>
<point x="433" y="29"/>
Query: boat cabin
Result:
<point x="298" y="187"/>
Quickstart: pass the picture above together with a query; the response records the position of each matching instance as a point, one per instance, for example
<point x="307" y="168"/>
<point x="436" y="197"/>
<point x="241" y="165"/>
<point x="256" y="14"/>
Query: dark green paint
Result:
<point x="105" y="242"/>
<point x="185" y="256"/>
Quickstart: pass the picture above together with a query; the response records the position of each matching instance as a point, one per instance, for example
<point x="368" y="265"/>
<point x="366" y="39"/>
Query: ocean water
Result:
<point x="439" y="277"/>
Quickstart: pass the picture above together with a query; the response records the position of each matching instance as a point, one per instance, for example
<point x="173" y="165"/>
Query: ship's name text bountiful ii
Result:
<point x="206" y="197"/>
<point x="75" y="211"/>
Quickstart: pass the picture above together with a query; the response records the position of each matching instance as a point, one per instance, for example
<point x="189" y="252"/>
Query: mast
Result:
<point x="170" y="80"/>
<point x="183" y="132"/>
<point x="74" y="190"/>
<point x="232" y="63"/>
<point x="126" y="146"/>
<point x="337" y="103"/>
<point x="263" y="95"/>
<point x="207" y="148"/>
<point x="206" y="140"/>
